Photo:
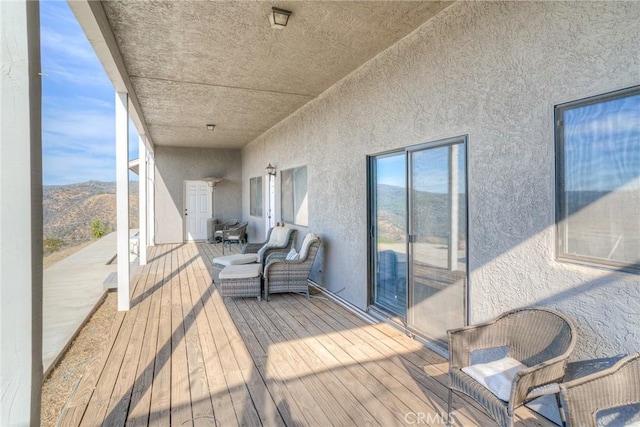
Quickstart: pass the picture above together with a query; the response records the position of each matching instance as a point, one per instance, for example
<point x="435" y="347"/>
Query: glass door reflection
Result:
<point x="437" y="239"/>
<point x="389" y="233"/>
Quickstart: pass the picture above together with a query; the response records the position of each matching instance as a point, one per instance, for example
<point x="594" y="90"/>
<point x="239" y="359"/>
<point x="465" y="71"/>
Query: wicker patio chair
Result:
<point x="219" y="229"/>
<point x="279" y="239"/>
<point x="236" y="233"/>
<point x="616" y="386"/>
<point x="283" y="275"/>
<point x="539" y="338"/>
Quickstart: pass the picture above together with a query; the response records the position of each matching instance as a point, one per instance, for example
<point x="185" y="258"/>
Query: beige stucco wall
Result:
<point x="493" y="71"/>
<point x="174" y="165"/>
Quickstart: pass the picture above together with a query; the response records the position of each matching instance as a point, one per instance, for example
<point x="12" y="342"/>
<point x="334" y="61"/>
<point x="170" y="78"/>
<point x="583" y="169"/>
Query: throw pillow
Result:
<point x="292" y="255"/>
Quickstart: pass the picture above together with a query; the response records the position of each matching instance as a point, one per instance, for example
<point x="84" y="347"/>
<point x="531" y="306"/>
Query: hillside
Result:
<point x="70" y="209"/>
<point x="431" y="215"/>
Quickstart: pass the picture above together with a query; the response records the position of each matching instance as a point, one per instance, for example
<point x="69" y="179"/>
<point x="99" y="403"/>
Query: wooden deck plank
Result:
<point x="283" y="364"/>
<point x="253" y="371"/>
<point x="160" y="404"/>
<point x="141" y="396"/>
<point x="333" y="379"/>
<point x="180" y="396"/>
<point x="183" y="355"/>
<point x="423" y="361"/>
<point x="201" y="406"/>
<point x="217" y="386"/>
<point x="239" y="371"/>
<point x="100" y="399"/>
<point x="374" y="397"/>
<point x="264" y="395"/>
<point x="121" y="396"/>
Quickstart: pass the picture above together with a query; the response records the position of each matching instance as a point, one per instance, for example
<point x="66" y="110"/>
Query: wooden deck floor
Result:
<point x="185" y="356"/>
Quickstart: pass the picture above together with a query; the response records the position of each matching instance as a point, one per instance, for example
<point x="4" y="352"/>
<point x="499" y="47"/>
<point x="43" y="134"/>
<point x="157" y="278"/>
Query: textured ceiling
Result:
<point x="193" y="63"/>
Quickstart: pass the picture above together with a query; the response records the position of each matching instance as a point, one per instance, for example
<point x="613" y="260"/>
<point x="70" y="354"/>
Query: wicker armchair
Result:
<point x="283" y="275"/>
<point x="279" y="239"/>
<point x="616" y="386"/>
<point x="218" y="229"/>
<point x="235" y="233"/>
<point x="539" y="338"/>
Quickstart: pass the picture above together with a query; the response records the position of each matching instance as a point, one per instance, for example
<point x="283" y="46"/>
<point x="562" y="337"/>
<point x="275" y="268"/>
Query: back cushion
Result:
<point x="278" y="236"/>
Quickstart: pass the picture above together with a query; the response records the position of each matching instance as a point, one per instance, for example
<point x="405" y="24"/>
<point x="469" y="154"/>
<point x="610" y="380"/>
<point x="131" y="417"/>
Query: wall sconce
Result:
<point x="279" y="18"/>
<point x="271" y="170"/>
<point x="210" y="127"/>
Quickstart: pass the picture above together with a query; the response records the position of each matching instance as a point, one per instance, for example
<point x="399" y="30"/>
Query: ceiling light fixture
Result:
<point x="279" y="18"/>
<point x="211" y="127"/>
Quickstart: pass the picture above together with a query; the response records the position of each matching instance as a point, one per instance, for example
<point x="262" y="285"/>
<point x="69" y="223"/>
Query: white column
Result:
<point x="151" y="204"/>
<point x="20" y="214"/>
<point x="142" y="200"/>
<point x="454" y="204"/>
<point x="122" y="198"/>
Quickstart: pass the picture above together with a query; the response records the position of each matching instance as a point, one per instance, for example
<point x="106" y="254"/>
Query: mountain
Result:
<point x="430" y="214"/>
<point x="69" y="210"/>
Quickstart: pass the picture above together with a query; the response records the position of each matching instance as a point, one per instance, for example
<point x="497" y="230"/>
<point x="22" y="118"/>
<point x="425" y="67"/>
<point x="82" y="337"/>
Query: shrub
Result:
<point x="98" y="228"/>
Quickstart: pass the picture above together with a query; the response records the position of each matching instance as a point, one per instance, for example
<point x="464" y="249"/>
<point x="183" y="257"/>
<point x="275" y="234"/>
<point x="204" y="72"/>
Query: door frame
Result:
<point x="371" y="232"/>
<point x="270" y="202"/>
<point x="185" y="226"/>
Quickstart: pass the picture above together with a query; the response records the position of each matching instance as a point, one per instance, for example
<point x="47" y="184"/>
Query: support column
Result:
<point x="122" y="198"/>
<point x="142" y="200"/>
<point x="151" y="193"/>
<point x="20" y="214"/>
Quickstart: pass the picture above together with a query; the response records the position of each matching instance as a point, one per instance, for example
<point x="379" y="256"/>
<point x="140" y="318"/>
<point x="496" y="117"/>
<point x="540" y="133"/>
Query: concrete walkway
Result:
<point x="72" y="289"/>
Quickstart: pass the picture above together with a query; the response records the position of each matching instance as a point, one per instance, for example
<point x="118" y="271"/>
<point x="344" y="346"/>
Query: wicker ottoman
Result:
<point x="219" y="263"/>
<point x="241" y="281"/>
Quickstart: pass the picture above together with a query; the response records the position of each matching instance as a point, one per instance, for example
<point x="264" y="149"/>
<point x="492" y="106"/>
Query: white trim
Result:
<point x="122" y="198"/>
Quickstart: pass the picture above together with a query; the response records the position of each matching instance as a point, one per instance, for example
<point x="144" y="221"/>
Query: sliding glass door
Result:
<point x="389" y="233"/>
<point x="438" y="239"/>
<point x="418" y="208"/>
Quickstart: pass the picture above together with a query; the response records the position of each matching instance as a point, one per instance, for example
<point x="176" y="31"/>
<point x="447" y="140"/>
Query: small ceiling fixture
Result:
<point x="279" y="18"/>
<point x="211" y="127"/>
<point x="271" y="170"/>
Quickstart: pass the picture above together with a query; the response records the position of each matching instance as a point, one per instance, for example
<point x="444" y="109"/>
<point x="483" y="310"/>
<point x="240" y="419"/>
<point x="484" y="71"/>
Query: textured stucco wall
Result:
<point x="174" y="165"/>
<point x="493" y="71"/>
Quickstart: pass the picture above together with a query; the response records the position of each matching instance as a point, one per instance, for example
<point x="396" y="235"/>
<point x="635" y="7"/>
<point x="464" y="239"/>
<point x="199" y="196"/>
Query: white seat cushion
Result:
<point x="245" y="271"/>
<point x="236" y="259"/>
<point x="496" y="376"/>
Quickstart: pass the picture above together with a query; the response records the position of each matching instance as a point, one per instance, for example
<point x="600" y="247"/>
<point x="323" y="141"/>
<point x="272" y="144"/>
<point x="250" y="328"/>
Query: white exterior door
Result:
<point x="197" y="209"/>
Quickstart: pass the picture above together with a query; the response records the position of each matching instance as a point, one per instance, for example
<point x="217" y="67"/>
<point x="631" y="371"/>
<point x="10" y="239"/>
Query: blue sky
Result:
<point x="430" y="169"/>
<point x="77" y="104"/>
<point x="602" y="146"/>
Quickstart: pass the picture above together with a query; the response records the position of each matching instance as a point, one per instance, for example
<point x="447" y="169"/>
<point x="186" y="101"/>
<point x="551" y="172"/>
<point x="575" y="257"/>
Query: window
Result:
<point x="598" y="179"/>
<point x="294" y="196"/>
<point x="255" y="196"/>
